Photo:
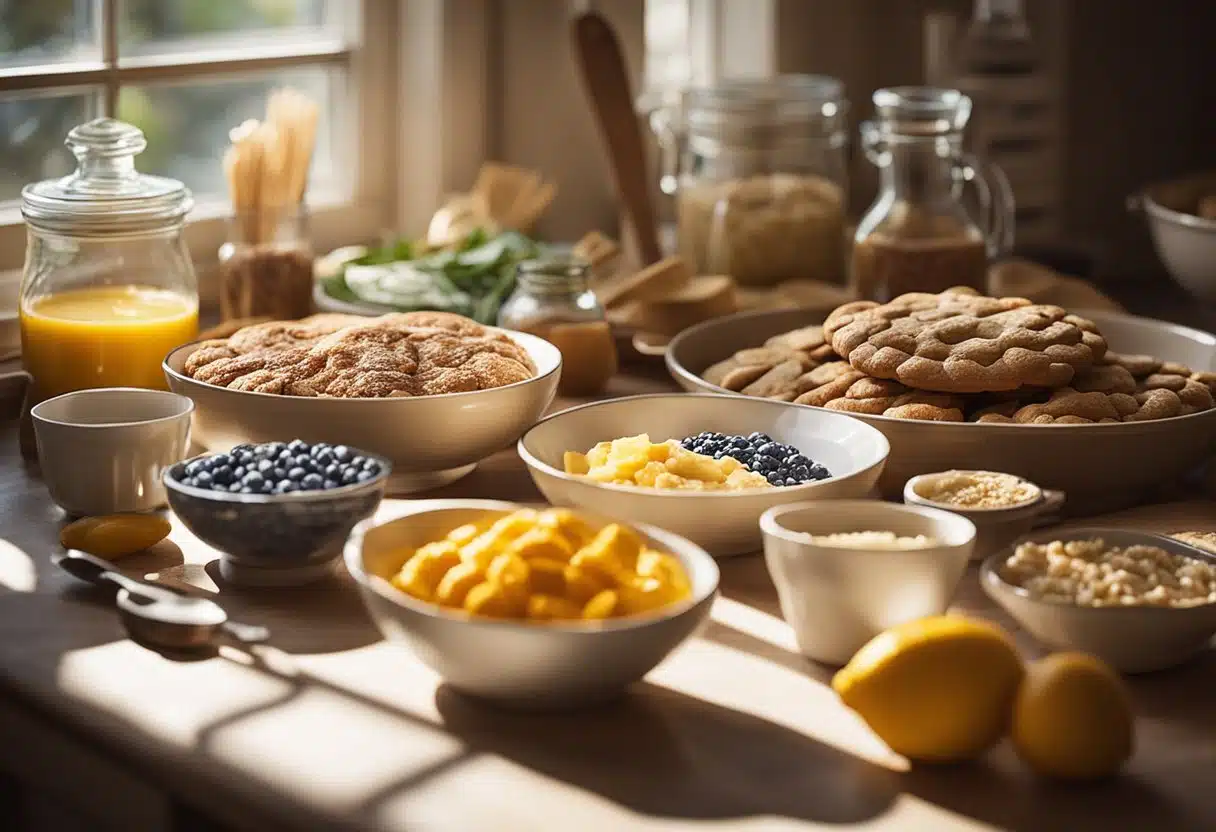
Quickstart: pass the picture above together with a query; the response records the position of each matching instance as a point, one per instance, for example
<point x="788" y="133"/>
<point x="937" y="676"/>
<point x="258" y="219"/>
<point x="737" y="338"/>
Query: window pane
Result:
<point x="187" y="124"/>
<point x="169" y="26"/>
<point x="32" y="130"/>
<point x="45" y="31"/>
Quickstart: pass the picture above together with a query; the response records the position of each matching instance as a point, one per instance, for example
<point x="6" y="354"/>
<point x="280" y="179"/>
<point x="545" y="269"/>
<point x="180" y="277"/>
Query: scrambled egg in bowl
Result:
<point x="635" y="460"/>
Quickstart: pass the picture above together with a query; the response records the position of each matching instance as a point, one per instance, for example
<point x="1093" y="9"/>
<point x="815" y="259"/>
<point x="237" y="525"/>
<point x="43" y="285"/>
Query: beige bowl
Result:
<point x="557" y="664"/>
<point x="1100" y="467"/>
<point x="1130" y="639"/>
<point x="1186" y="243"/>
<point x="837" y="598"/>
<point x="723" y="522"/>
<point x="995" y="528"/>
<point x="430" y="440"/>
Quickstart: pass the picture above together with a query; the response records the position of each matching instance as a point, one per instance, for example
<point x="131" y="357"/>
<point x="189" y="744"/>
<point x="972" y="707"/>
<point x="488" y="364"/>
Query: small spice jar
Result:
<point x="553" y="301"/>
<point x="266" y="267"/>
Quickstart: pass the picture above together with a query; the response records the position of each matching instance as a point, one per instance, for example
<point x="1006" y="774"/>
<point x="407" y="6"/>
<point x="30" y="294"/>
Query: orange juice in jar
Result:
<point x="108" y="289"/>
<point x="104" y="336"/>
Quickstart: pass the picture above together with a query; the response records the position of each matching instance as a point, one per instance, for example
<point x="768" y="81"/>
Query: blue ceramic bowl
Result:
<point x="275" y="539"/>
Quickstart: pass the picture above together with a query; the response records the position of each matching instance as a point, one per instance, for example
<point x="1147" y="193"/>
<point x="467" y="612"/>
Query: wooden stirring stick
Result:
<point x="607" y="84"/>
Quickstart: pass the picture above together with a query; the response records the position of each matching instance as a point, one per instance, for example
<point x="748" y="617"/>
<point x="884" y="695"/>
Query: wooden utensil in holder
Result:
<point x="267" y="264"/>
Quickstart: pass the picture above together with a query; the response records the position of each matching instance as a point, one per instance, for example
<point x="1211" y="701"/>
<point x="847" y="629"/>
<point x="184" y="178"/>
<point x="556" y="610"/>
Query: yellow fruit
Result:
<point x="454" y="586"/>
<point x="938" y="689"/>
<point x="115" y="535"/>
<point x="1072" y="718"/>
<point x="551" y="607"/>
<point x="603" y="605"/>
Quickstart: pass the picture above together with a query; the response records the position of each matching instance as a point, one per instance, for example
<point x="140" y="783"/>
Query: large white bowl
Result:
<point x="723" y="522"/>
<point x="1099" y="467"/>
<point x="1130" y="639"/>
<point x="1185" y="243"/>
<point x="837" y="598"/>
<point x="519" y="663"/>
<point x="430" y="440"/>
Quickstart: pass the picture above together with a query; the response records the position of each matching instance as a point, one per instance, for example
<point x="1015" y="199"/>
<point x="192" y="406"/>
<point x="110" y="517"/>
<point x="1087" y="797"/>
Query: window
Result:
<point x="185" y="72"/>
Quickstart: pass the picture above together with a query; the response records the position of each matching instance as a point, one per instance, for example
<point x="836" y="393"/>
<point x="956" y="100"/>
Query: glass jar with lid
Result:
<point x="552" y="300"/>
<point x="923" y="234"/>
<point x="108" y="288"/>
<point x="760" y="178"/>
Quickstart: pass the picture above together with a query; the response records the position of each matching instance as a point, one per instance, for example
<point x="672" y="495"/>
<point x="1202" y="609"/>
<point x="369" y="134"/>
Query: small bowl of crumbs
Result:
<point x="846" y="570"/>
<point x="1139" y="601"/>
<point x="1003" y="507"/>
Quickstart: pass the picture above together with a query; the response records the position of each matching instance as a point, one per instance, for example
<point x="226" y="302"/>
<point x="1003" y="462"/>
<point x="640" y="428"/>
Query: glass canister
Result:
<point x="266" y="266"/>
<point x="108" y="288"/>
<point x="552" y="299"/>
<point x="761" y="178"/>
<point x="922" y="234"/>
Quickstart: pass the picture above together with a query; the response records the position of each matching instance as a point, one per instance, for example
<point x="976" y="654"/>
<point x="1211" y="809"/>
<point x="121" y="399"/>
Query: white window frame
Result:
<point x="732" y="39"/>
<point x="372" y="50"/>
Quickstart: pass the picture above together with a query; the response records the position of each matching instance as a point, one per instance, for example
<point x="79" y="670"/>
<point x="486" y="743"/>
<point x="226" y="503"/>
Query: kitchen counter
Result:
<point x="332" y="728"/>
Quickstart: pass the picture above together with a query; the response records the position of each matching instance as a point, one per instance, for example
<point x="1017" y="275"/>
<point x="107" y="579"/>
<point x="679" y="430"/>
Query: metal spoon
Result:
<point x="157" y="615"/>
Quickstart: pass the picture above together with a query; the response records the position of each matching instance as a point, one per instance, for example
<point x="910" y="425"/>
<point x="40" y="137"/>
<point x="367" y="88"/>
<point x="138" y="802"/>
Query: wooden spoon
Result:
<point x="607" y="83"/>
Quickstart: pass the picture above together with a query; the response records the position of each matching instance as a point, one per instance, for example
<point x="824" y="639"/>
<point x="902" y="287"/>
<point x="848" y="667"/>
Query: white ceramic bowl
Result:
<point x="430" y="440"/>
<point x="1100" y="467"/>
<point x="1130" y="639"/>
<point x="1186" y="243"/>
<point x="723" y="522"/>
<point x="517" y="663"/>
<point x="102" y="451"/>
<point x="837" y="598"/>
<point x="995" y="528"/>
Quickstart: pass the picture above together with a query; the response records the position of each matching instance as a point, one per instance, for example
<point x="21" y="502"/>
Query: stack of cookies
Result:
<point x="958" y="356"/>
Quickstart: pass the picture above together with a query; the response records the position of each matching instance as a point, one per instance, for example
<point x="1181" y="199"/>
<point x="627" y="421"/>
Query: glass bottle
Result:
<point x="108" y="288"/>
<point x="921" y="234"/>
<point x="997" y="40"/>
<point x="552" y="300"/>
<point x="760" y="177"/>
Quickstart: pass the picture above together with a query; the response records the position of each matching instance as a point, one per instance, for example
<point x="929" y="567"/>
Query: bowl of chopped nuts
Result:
<point x="1003" y="507"/>
<point x="1139" y="601"/>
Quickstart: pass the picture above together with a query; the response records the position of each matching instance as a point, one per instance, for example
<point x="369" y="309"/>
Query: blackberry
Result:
<point x="780" y="464"/>
<point x="279" y="468"/>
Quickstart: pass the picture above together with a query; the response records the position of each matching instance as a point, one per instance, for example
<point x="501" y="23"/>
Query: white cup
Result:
<point x="102" y="451"/>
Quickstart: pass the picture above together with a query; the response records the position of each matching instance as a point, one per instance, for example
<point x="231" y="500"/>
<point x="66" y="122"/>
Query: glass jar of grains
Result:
<point x="552" y="300"/>
<point x="760" y="179"/>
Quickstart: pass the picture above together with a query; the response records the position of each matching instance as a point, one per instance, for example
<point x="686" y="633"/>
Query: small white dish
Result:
<point x="103" y="451"/>
<point x="836" y="598"/>
<point x="520" y="663"/>
<point x="995" y="528"/>
<point x="722" y="522"/>
<point x="1129" y="639"/>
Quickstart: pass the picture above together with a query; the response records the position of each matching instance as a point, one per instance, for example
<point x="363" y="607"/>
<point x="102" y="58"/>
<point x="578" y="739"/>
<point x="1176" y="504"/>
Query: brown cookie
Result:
<point x="804" y="340"/>
<point x="1105" y="378"/>
<point x="1194" y="394"/>
<point x="1206" y="379"/>
<point x="838" y="386"/>
<point x="957" y="343"/>
<point x="779" y="381"/>
<point x="1138" y="365"/>
<point x="745" y="366"/>
<point x="1070" y="407"/>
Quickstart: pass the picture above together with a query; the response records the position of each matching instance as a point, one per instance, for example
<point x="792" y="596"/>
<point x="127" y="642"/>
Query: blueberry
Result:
<point x="240" y="449"/>
<point x="203" y="479"/>
<point x="220" y="460"/>
<point x="244" y="489"/>
<point x="330" y="484"/>
<point x="296" y="474"/>
<point x="194" y="467"/>
<point x="253" y="479"/>
<point x="357" y="462"/>
<point x="246" y="458"/>
<point x="297" y="445"/>
<point x="286" y="487"/>
<point x="371" y="465"/>
<point x="790" y="481"/>
<point x="312" y="482"/>
<point x="364" y="476"/>
<point x="350" y="475"/>
<point x="286" y="455"/>
<point x="325" y="457"/>
<point x="278" y="473"/>
<point x="222" y="474"/>
<point x="342" y="453"/>
<point x="239" y="472"/>
<point x="264" y="465"/>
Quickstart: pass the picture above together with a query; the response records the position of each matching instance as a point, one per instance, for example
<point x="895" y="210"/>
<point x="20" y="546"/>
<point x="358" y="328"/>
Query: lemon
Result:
<point x="115" y="535"/>
<point x="1072" y="718"/>
<point x="936" y="689"/>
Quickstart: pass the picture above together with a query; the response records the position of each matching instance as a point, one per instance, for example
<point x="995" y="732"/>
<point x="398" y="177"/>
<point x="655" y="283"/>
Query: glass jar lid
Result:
<point x="553" y="274"/>
<point x="105" y="194"/>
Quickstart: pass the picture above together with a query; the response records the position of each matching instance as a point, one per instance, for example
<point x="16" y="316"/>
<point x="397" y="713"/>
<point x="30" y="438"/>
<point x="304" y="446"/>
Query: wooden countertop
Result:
<point x="334" y="728"/>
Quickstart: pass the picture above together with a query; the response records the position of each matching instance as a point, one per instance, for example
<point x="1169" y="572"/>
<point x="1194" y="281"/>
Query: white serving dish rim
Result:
<point x="679" y="371"/>
<point x="524" y="339"/>
<point x="770" y="524"/>
<point x="1031" y="506"/>
<point x="127" y="423"/>
<point x="353" y="555"/>
<point x="990" y="575"/>
<point x="531" y="460"/>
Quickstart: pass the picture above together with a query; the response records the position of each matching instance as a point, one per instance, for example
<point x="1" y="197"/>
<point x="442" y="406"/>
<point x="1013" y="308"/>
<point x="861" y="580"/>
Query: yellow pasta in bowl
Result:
<point x="543" y="566"/>
<point x="530" y="606"/>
